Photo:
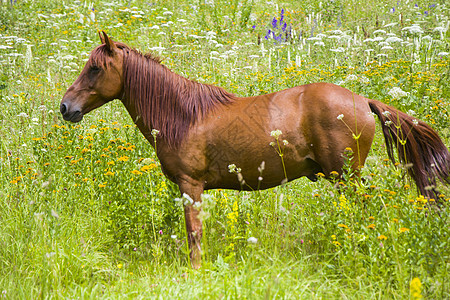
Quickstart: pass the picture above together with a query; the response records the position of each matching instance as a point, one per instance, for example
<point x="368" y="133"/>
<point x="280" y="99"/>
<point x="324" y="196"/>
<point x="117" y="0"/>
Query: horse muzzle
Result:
<point x="70" y="115"/>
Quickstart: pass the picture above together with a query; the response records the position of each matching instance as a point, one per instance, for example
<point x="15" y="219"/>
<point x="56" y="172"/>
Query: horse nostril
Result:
<point x="63" y="108"/>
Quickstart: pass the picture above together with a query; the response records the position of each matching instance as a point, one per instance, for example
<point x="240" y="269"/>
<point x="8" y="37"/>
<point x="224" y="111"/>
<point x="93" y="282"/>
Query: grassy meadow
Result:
<point x="85" y="211"/>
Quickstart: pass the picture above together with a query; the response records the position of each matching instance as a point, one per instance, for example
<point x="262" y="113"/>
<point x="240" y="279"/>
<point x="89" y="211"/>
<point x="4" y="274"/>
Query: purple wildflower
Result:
<point x="277" y="37"/>
<point x="274" y="22"/>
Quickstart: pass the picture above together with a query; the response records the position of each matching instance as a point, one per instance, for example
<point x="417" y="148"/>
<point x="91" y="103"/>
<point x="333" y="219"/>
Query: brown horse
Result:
<point x="202" y="129"/>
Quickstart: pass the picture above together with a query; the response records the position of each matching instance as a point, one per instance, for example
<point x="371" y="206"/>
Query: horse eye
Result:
<point x="94" y="69"/>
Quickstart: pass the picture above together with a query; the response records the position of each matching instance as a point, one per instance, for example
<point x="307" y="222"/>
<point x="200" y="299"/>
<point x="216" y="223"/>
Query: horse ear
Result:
<point x="100" y="35"/>
<point x="108" y="42"/>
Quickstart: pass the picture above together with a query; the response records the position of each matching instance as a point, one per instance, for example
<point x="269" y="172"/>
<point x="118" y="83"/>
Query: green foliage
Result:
<point x="86" y="212"/>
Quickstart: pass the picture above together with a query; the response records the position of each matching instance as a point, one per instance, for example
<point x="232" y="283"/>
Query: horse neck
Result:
<point x="157" y="98"/>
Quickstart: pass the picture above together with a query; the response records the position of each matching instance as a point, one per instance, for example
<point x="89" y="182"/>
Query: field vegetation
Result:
<point x="85" y="211"/>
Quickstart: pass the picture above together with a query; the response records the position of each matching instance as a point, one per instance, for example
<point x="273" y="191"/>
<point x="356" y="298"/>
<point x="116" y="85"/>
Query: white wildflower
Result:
<point x="198" y="205"/>
<point x="252" y="240"/>
<point x="155" y="133"/>
<point x="233" y="169"/>
<point x="187" y="199"/>
<point x="414" y="29"/>
<point x="276" y="133"/>
<point x="314" y="38"/>
<point x="339" y="49"/>
<point x="442" y="53"/>
<point x="379" y="31"/>
<point x="393" y="39"/>
<point x="337" y="37"/>
<point x="261" y="167"/>
<point x="440" y="29"/>
<point x="147" y="161"/>
<point x="351" y="77"/>
<point x="80" y="18"/>
<point x="28" y="57"/>
<point x="92" y="16"/>
<point x="22" y="115"/>
<point x="397" y="93"/>
<point x="54" y="214"/>
<point x="388" y="123"/>
<point x="285" y="142"/>
<point x="390" y="24"/>
<point x="340" y="117"/>
<point x="364" y="79"/>
<point x="386" y="113"/>
<point x="415" y="122"/>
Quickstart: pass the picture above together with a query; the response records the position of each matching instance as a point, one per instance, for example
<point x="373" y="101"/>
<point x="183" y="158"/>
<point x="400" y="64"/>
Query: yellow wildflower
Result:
<point x="334" y="173"/>
<point x="415" y="289"/>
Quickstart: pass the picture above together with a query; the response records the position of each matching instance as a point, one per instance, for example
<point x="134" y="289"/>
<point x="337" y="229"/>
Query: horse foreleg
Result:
<point x="193" y="223"/>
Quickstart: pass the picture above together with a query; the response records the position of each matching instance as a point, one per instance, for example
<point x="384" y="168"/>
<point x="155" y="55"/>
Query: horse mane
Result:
<point x="164" y="100"/>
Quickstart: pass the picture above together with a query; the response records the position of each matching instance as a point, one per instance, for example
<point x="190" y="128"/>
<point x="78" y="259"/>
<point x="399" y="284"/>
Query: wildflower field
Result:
<point x="85" y="211"/>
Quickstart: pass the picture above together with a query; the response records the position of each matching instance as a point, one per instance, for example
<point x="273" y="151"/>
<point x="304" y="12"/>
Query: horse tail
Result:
<point x="419" y="148"/>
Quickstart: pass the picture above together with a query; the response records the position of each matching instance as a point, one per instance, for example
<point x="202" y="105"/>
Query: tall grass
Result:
<point x="86" y="212"/>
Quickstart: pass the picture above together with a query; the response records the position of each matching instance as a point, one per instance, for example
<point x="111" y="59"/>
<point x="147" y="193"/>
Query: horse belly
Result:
<point x="260" y="161"/>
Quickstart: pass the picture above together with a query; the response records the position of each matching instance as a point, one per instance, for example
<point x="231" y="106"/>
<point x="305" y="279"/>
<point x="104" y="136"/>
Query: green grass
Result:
<point x="86" y="212"/>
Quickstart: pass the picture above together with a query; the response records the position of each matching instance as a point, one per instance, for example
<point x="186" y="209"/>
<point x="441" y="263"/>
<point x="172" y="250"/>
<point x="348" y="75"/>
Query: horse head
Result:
<point x="100" y="81"/>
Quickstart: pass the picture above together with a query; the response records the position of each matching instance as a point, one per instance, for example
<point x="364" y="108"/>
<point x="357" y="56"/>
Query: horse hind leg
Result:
<point x="346" y="160"/>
